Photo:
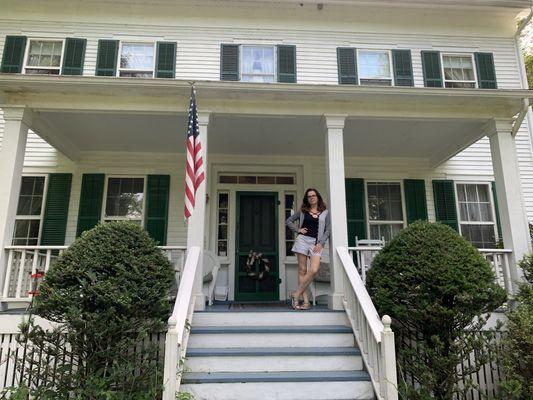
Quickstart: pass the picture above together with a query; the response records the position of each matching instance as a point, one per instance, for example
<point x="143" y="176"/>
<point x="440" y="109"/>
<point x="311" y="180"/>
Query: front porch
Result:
<point x="265" y="145"/>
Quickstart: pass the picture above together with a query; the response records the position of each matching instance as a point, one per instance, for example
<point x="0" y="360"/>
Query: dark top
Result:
<point x="311" y="224"/>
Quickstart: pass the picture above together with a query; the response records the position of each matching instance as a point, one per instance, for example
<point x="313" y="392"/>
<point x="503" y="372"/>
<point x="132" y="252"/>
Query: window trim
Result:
<point x="43" y="206"/>
<point x="367" y="209"/>
<point x="103" y="217"/>
<point x="274" y="61"/>
<point x="27" y="54"/>
<point x="474" y="67"/>
<point x="492" y="208"/>
<point x="119" y="69"/>
<point x="374" y="50"/>
<point x="218" y="224"/>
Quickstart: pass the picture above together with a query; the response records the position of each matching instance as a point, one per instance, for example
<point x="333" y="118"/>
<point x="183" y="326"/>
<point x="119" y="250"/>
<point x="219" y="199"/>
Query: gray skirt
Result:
<point x="304" y="245"/>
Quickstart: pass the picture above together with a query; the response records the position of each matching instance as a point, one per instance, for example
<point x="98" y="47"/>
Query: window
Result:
<point x="374" y="67"/>
<point x="385" y="211"/>
<point x="44" y="57"/>
<point x="222" y="232"/>
<point x="258" y="64"/>
<point x="30" y="211"/>
<point x="257" y="180"/>
<point x="289" y="234"/>
<point x="124" y="199"/>
<point x="137" y="60"/>
<point x="458" y="71"/>
<point x="476" y="219"/>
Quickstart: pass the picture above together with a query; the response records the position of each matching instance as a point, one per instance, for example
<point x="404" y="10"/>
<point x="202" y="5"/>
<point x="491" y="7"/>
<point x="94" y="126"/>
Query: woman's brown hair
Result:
<point x="305" y="207"/>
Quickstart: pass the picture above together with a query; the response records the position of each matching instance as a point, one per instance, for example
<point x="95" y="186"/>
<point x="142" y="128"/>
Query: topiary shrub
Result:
<point x="518" y="343"/>
<point x="108" y="293"/>
<point x="436" y="286"/>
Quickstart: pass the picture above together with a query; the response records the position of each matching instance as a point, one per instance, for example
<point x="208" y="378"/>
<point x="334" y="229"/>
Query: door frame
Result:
<point x="277" y="204"/>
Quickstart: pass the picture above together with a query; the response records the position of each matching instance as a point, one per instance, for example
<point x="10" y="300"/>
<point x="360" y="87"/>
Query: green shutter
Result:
<point x="74" y="56"/>
<point x="486" y="74"/>
<point x="13" y="56"/>
<point x="347" y="65"/>
<point x="90" y="211"/>
<point x="355" y="209"/>
<point x="497" y="210"/>
<point x="158" y="189"/>
<point x="403" y="67"/>
<point x="56" y="210"/>
<point x="445" y="209"/>
<point x="229" y="62"/>
<point x="286" y="64"/>
<point x="165" y="60"/>
<point x="431" y="67"/>
<point x="415" y="200"/>
<point x="106" y="61"/>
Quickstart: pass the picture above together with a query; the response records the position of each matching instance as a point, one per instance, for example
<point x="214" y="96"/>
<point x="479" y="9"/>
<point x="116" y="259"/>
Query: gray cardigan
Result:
<point x="324" y="225"/>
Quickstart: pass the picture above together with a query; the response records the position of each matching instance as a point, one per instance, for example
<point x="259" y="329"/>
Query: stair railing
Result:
<point x="179" y="325"/>
<point x="374" y="336"/>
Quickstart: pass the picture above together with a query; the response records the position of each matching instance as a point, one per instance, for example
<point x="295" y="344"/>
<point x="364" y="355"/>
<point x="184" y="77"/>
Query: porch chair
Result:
<point x="210" y="269"/>
<point x="365" y="257"/>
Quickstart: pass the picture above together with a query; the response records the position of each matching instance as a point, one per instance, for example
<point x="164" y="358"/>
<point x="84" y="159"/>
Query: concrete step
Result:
<point x="273" y="359"/>
<point x="296" y="385"/>
<point x="271" y="336"/>
<point x="287" y="318"/>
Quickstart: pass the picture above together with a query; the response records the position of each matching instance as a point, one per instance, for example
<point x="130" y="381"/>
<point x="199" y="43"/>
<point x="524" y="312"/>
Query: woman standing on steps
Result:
<point x="313" y="231"/>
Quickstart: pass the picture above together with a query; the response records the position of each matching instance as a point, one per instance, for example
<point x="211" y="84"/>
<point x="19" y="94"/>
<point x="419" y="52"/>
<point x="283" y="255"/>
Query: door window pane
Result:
<point x="124" y="198"/>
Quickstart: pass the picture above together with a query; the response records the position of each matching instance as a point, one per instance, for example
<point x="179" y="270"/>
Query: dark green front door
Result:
<point x="257" y="229"/>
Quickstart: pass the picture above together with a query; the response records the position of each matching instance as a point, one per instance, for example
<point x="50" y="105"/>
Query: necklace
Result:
<point x="314" y="214"/>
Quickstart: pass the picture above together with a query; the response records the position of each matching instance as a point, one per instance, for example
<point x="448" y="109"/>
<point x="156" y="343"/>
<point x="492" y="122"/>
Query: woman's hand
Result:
<point x="303" y="231"/>
<point x="317" y="248"/>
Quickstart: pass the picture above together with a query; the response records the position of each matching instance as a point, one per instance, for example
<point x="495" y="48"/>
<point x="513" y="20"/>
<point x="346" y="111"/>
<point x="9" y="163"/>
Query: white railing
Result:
<point x="499" y="259"/>
<point x="374" y="336"/>
<point x="178" y="331"/>
<point x="23" y="262"/>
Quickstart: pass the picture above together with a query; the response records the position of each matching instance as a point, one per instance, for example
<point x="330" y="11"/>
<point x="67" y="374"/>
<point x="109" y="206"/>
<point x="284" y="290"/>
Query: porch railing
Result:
<point x="179" y="324"/>
<point x="499" y="259"/>
<point x="374" y="336"/>
<point x="25" y="261"/>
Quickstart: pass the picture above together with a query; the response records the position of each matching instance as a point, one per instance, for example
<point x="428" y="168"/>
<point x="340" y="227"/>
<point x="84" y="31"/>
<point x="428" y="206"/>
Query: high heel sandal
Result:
<point x="305" y="306"/>
<point x="295" y="303"/>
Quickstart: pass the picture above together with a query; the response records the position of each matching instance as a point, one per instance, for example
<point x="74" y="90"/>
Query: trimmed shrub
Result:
<point x="108" y="293"/>
<point x="518" y="343"/>
<point x="437" y="288"/>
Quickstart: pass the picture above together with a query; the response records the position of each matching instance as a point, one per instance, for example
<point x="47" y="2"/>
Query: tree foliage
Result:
<point x="437" y="288"/>
<point x="106" y="295"/>
<point x="528" y="58"/>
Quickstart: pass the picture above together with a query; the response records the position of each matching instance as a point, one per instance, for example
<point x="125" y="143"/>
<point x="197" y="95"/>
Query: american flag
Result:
<point x="195" y="163"/>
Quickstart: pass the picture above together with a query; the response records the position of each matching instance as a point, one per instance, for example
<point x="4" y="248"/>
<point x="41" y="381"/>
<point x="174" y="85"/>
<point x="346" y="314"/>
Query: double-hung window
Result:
<point x="476" y="216"/>
<point x="30" y="211"/>
<point x="136" y="60"/>
<point x="43" y="56"/>
<point x="124" y="199"/>
<point x="385" y="209"/>
<point x="374" y="67"/>
<point x="258" y="64"/>
<point x="458" y="70"/>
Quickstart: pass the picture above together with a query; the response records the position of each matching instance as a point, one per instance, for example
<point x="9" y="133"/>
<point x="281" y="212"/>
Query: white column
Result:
<point x="334" y="125"/>
<point x="196" y="224"/>
<point x="11" y="162"/>
<point x="513" y="217"/>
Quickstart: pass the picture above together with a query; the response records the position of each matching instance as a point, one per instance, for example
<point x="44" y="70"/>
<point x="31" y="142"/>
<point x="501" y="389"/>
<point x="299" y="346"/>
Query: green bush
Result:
<point x="437" y="288"/>
<point x="108" y="293"/>
<point x="518" y="343"/>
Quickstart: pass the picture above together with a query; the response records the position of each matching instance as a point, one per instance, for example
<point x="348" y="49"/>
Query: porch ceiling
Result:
<point x="79" y="114"/>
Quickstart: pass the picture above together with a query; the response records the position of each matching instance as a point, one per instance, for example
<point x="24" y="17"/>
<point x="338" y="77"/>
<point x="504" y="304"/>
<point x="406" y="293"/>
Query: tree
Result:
<point x="437" y="288"/>
<point x="528" y="58"/>
<point x="106" y="294"/>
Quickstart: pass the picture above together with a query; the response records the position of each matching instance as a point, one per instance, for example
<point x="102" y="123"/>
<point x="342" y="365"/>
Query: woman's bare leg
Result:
<point x="302" y="271"/>
<point x="308" y="278"/>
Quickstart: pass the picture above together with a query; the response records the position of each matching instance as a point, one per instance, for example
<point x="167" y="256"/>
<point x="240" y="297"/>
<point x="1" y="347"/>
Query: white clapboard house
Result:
<point x="394" y="110"/>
